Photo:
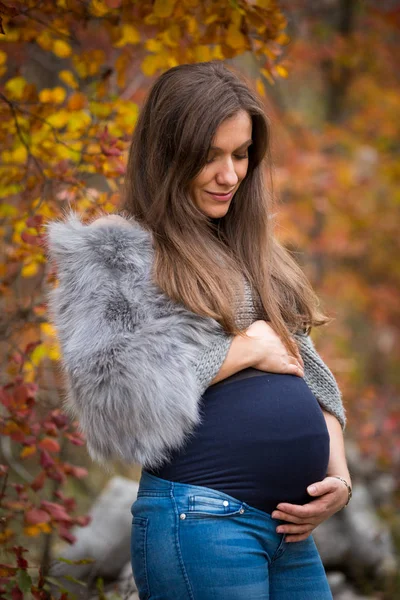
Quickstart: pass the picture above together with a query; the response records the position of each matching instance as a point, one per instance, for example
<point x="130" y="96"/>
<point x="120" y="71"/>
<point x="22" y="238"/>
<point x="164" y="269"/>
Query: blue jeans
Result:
<point x="192" y="542"/>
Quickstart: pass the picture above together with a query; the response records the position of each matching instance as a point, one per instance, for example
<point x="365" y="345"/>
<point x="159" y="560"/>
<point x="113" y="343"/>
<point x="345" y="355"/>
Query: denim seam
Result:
<point x="144" y="527"/>
<point x="279" y="551"/>
<point x="178" y="546"/>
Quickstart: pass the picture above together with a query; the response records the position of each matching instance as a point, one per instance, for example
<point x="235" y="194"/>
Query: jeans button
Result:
<point x="182" y="516"/>
<point x="225" y="503"/>
<point x="241" y="511"/>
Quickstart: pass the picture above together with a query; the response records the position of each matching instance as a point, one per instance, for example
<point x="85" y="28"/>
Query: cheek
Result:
<point x="202" y="179"/>
<point x="242" y="170"/>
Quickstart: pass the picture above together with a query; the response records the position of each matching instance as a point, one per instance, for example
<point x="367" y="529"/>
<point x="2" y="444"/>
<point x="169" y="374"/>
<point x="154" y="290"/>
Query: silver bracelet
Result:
<point x="349" y="490"/>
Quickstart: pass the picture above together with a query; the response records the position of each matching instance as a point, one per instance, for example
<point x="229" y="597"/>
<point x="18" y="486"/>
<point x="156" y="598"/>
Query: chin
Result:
<point x="216" y="211"/>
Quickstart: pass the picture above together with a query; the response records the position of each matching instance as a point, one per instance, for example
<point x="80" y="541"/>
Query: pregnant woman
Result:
<point x="184" y="327"/>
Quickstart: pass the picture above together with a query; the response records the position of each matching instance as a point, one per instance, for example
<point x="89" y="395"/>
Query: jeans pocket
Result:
<point x="201" y="506"/>
<point x="139" y="556"/>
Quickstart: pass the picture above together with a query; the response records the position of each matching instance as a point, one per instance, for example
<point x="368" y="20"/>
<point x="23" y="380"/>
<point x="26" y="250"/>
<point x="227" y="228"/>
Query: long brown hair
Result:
<point x="199" y="261"/>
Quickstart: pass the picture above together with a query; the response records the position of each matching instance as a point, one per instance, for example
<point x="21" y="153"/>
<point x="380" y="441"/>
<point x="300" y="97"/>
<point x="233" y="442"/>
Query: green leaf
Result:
<point x="81" y="561"/>
<point x="74" y="580"/>
<point x="23" y="580"/>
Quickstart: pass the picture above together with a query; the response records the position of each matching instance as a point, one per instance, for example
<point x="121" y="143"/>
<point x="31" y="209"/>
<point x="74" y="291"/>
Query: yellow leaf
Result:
<point x="234" y="38"/>
<point x="217" y="53"/>
<point x="98" y="8"/>
<point x="150" y="19"/>
<point x="27" y="451"/>
<point x="163" y="8"/>
<point x="260" y="87"/>
<point x="151" y="64"/>
<point x="48" y="329"/>
<point x="58" y="94"/>
<point x="29" y="270"/>
<point x="32" y="530"/>
<point x="62" y="49"/>
<point x="154" y="46"/>
<point x="171" y="61"/>
<point x="210" y="19"/>
<point x="44" y="40"/>
<point x="3" y="57"/>
<point x="58" y="119"/>
<point x="54" y="353"/>
<point x="15" y="87"/>
<point x="171" y="37"/>
<point x="45" y="95"/>
<point x="10" y="190"/>
<point x="191" y="26"/>
<point x="282" y="39"/>
<point x="281" y="71"/>
<point x="268" y="76"/>
<point x="130" y="35"/>
<point x="6" y="535"/>
<point x="78" y="120"/>
<point x="202" y="53"/>
<point x="7" y="210"/>
<point x="20" y="155"/>
<point x="38" y="354"/>
<point x="68" y="78"/>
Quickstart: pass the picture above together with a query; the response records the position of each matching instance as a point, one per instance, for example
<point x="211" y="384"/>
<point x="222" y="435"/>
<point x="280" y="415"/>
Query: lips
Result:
<point x="221" y="197"/>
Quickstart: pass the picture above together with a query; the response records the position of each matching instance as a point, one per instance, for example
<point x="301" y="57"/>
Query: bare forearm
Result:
<point x="337" y="460"/>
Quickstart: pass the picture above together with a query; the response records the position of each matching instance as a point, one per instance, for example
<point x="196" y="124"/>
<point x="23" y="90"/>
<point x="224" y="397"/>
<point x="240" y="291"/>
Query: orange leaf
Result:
<point x="49" y="444"/>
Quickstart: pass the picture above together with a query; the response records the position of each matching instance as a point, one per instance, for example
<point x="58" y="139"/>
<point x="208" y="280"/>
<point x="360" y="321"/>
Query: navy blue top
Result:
<point x="262" y="440"/>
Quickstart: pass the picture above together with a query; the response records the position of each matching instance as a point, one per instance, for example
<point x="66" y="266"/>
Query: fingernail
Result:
<point x="312" y="489"/>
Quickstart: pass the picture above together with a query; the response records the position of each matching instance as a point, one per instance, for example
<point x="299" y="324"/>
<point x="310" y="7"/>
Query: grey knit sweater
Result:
<point x="317" y="375"/>
<point x="135" y="362"/>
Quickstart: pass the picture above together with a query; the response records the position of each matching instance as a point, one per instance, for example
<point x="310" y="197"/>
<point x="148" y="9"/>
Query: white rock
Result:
<point x="106" y="539"/>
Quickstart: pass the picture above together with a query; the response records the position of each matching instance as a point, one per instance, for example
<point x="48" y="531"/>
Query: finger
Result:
<point x="304" y="528"/>
<point x="282" y="516"/>
<point x="294" y="368"/>
<point x="298" y="511"/>
<point x="300" y="359"/>
<point x="296" y="538"/>
<point x="325" y="486"/>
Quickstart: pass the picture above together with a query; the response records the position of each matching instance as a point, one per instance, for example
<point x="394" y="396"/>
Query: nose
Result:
<point x="226" y="174"/>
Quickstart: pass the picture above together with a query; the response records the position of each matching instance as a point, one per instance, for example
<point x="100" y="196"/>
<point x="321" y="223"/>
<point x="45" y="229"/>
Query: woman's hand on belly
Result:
<point x="303" y="519"/>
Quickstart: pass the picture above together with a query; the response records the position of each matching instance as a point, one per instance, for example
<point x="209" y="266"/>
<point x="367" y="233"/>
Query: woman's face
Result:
<point x="214" y="187"/>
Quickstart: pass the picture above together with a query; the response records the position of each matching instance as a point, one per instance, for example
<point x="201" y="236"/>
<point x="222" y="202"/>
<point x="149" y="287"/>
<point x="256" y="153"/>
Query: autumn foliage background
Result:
<point x="73" y="75"/>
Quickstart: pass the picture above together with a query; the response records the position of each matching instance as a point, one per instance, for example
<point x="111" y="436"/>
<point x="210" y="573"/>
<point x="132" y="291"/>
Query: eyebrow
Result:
<point x="248" y="143"/>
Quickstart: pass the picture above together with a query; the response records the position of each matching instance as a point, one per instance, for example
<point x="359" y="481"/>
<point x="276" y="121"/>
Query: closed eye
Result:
<point x="237" y="156"/>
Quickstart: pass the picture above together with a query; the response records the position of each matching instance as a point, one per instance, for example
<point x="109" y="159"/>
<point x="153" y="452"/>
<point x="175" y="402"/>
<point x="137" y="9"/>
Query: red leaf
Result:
<point x="36" y="515"/>
<point x="75" y="438"/>
<point x="45" y="459"/>
<point x="56" y="511"/>
<point x="78" y="472"/>
<point x="38" y="482"/>
<point x="16" y="594"/>
<point x="66" y="535"/>
<point x="21" y="562"/>
<point x="83" y="521"/>
<point x="59" y="419"/>
<point x="34" y="221"/>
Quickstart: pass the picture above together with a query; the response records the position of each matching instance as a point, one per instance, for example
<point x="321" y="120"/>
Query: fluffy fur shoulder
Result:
<point x="128" y="351"/>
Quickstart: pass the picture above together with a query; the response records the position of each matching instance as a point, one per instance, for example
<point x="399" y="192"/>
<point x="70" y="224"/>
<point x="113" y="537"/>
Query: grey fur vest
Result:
<point x="135" y="361"/>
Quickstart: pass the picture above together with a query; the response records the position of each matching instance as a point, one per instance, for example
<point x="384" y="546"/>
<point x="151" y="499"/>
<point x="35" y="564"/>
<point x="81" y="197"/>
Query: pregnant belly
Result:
<point x="262" y="440"/>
